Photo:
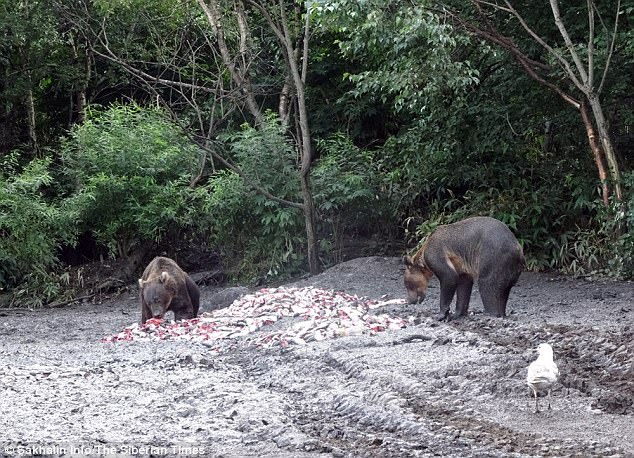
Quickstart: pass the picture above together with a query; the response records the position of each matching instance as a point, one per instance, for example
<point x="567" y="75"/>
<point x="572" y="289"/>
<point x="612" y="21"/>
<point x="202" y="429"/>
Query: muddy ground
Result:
<point x="431" y="389"/>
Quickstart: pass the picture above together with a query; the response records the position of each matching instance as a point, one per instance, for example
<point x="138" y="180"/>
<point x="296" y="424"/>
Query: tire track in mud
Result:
<point x="354" y="407"/>
<point x="348" y="415"/>
<point x="436" y="421"/>
<point x="597" y="362"/>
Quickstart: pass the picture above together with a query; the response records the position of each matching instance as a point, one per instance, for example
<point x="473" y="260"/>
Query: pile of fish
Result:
<point x="324" y="315"/>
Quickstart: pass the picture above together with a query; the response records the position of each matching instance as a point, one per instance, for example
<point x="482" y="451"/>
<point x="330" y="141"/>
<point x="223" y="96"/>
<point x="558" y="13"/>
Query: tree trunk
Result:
<point x="596" y="151"/>
<point x="81" y="106"/>
<point x="306" y="144"/>
<point x="310" y="222"/>
<point x="606" y="143"/>
<point x="82" y="99"/>
<point x="30" y="110"/>
<point x="284" y="107"/>
<point x="307" y="157"/>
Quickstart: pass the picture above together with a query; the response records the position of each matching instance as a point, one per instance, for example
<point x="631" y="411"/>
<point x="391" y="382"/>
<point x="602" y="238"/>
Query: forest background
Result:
<point x="272" y="138"/>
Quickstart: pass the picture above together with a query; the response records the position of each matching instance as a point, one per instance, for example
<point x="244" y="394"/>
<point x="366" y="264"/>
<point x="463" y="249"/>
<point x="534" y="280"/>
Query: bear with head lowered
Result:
<point x="164" y="286"/>
<point x="481" y="249"/>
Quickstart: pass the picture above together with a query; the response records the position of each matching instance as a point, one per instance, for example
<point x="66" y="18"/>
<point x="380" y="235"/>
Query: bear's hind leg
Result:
<point x="494" y="296"/>
<point x="504" y="298"/>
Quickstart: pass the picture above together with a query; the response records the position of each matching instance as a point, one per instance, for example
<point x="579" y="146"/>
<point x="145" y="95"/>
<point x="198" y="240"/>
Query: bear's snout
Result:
<point x="157" y="310"/>
<point x="415" y="297"/>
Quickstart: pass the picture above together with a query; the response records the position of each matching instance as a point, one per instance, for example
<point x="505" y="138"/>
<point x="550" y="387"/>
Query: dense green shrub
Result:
<point x="130" y="170"/>
<point x="352" y="194"/>
<point x="31" y="229"/>
<point x="621" y="254"/>
<point x="264" y="238"/>
<point x="259" y="237"/>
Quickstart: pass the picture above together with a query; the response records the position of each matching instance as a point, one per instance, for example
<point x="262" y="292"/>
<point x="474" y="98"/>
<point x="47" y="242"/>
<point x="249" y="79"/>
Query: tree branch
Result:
<point x="525" y="62"/>
<point x="611" y="51"/>
<point x="274" y="27"/>
<point x="203" y="143"/>
<point x="493" y="31"/>
<point x="496" y="6"/>
<point x="250" y="183"/>
<point x="244" y="32"/>
<point x="590" y="83"/>
<point x="306" y="39"/>
<point x="212" y="12"/>
<point x="571" y="49"/>
<point x="146" y="76"/>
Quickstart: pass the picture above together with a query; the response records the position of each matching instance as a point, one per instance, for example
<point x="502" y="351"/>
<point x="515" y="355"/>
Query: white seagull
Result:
<point x="543" y="372"/>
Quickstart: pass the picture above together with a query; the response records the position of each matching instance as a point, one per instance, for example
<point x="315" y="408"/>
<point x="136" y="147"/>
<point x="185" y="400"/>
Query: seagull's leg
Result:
<point x="549" y="399"/>
<point x="536" y="407"/>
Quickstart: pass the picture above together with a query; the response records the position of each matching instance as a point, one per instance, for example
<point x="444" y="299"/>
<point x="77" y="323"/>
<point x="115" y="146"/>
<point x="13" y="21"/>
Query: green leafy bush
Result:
<point x="265" y="238"/>
<point x="31" y="229"/>
<point x="556" y="224"/>
<point x="259" y="237"/>
<point x="351" y="193"/>
<point x="621" y="256"/>
<point x="130" y="169"/>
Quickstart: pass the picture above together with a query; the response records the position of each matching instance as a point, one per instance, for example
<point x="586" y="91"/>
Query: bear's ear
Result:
<point x="141" y="283"/>
<point x="164" y="276"/>
<point x="409" y="262"/>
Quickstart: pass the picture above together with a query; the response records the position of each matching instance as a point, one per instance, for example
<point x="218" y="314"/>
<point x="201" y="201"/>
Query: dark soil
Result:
<point x="432" y="389"/>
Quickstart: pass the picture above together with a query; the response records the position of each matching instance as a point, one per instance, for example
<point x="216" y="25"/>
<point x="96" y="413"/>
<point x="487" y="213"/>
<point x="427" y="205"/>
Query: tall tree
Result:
<point x="29" y="38"/>
<point x="47" y="72"/>
<point x="569" y="66"/>
<point x="200" y="66"/>
<point x="294" y="48"/>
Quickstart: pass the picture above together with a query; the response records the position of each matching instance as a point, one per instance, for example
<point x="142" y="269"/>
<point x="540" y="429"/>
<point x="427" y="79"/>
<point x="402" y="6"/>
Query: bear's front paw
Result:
<point x="442" y="316"/>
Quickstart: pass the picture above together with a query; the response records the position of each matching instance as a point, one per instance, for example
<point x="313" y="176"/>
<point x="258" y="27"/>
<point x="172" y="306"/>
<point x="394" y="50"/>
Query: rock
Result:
<point x="207" y="277"/>
<point x="5" y="300"/>
<point x="222" y="298"/>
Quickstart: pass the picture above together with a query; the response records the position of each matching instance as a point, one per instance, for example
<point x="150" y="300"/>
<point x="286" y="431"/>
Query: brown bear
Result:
<point x="165" y="286"/>
<point x="479" y="248"/>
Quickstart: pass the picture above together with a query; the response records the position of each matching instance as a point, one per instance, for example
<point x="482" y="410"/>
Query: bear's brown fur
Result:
<point x="165" y="286"/>
<point x="479" y="248"/>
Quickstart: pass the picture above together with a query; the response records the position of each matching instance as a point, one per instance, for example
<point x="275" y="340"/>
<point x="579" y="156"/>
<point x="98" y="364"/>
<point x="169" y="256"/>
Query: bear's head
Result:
<point x="157" y="292"/>
<point x="416" y="279"/>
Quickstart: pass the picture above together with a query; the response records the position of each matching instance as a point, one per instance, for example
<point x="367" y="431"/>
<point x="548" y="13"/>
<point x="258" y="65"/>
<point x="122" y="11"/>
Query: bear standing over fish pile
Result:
<point x="479" y="248"/>
<point x="164" y="286"/>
